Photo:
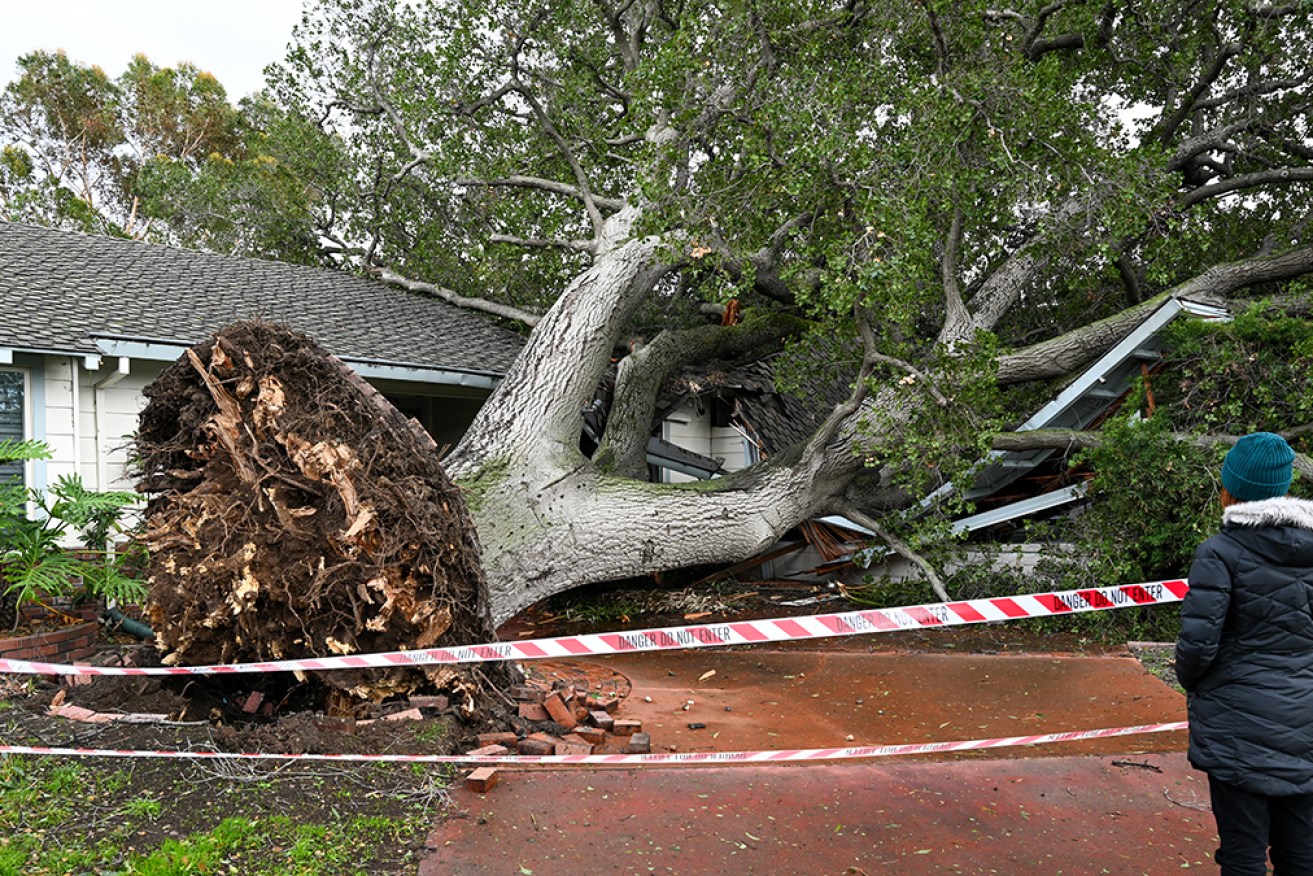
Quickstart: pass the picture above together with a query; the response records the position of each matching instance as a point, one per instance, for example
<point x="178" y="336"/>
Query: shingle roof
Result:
<point x="58" y="289"/>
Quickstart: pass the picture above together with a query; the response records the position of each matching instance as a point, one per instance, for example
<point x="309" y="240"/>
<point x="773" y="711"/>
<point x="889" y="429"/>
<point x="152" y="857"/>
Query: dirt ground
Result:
<point x="195" y="795"/>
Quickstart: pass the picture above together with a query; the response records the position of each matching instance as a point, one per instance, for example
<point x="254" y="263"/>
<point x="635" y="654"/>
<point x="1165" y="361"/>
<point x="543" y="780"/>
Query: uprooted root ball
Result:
<point x="296" y="513"/>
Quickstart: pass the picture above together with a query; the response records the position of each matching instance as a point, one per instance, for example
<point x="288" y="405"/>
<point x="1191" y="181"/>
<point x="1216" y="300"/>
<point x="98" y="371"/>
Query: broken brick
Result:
<point x="609" y="704"/>
<point x="561" y="712"/>
<point x="335" y="724"/>
<point x="639" y="743"/>
<point x="602" y="719"/>
<point x="438" y="702"/>
<point x="78" y="713"/>
<point x="252" y="704"/>
<point x="533" y="712"/>
<point x="627" y="727"/>
<point x="507" y="739"/>
<point x="481" y="780"/>
<point x="567" y="747"/>
<point x="490" y="751"/>
<point x="537" y="744"/>
<point x="527" y="693"/>
<point x="591" y="735"/>
<point x="408" y="715"/>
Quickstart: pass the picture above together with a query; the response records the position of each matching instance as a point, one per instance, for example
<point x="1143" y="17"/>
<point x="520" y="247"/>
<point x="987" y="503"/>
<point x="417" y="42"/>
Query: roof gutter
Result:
<point x="159" y="350"/>
<point x="90" y="361"/>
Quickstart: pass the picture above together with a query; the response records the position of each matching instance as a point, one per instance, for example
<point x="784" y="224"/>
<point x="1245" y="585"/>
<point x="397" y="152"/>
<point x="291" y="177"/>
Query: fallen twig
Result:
<point x="1199" y="807"/>
<point x="1138" y="765"/>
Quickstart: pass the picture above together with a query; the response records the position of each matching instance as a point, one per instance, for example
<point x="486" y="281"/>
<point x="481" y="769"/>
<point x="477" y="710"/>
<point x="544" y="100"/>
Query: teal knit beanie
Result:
<point x="1258" y="467"/>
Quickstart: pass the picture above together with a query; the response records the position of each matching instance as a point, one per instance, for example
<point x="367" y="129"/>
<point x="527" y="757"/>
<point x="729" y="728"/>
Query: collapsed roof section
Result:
<point x="1008" y="485"/>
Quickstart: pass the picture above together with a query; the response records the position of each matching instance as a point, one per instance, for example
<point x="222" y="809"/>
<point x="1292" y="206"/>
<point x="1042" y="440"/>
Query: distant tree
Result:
<point x="979" y="197"/>
<point x="158" y="153"/>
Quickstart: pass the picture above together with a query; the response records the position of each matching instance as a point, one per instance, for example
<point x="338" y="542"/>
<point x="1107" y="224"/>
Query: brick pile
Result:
<point x="565" y="717"/>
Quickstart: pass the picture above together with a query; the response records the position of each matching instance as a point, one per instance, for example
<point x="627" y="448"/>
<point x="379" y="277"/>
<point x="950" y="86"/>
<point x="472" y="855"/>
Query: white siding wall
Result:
<point x="116" y="420"/>
<point x="728" y="444"/>
<point x="92" y="442"/>
<point x="693" y="431"/>
<point x="57" y="378"/>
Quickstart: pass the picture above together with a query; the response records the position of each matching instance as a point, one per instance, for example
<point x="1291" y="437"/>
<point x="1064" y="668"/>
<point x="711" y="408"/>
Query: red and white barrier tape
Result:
<point x="850" y="623"/>
<point x="690" y="757"/>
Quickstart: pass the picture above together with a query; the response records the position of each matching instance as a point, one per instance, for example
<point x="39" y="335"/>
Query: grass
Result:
<point x="78" y="817"/>
<point x="244" y="845"/>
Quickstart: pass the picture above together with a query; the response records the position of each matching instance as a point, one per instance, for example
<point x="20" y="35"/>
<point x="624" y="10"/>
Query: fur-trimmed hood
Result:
<point x="1281" y="511"/>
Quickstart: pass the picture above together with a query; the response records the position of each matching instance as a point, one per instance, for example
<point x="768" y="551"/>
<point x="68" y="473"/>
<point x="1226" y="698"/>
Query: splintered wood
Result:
<point x="296" y="513"/>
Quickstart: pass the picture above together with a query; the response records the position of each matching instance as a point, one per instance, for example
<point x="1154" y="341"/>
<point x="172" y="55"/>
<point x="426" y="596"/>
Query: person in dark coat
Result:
<point x="1245" y="659"/>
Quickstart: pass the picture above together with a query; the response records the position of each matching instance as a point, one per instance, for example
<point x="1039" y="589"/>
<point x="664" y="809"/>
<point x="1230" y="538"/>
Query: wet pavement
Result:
<point x="1126" y="805"/>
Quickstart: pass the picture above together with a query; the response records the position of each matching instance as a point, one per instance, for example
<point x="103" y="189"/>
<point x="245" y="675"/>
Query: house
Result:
<point x="87" y="322"/>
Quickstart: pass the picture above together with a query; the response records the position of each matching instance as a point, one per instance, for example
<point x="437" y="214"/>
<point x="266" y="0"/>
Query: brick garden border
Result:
<point x="75" y="642"/>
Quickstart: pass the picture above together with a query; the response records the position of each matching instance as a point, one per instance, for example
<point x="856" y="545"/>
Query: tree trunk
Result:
<point x="544" y="532"/>
<point x="550" y="519"/>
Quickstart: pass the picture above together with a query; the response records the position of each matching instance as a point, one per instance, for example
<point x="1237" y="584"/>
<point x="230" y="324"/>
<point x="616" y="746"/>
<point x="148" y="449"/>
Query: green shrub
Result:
<point x="33" y="560"/>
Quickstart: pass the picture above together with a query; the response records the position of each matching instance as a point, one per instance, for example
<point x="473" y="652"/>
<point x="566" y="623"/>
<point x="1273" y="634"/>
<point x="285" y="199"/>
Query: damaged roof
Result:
<point x="776" y="420"/>
<point x="65" y="292"/>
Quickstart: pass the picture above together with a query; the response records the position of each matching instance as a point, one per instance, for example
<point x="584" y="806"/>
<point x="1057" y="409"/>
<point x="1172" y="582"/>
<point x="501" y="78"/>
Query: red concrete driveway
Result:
<point x="1128" y="805"/>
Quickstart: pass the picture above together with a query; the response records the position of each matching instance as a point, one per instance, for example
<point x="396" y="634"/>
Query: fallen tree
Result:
<point x="296" y="513"/>
<point x="986" y="197"/>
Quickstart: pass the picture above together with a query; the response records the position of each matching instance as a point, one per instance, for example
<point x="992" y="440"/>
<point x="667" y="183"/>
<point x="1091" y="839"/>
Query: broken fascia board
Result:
<point x="983" y="520"/>
<point x="669" y="455"/>
<point x="1094" y="376"/>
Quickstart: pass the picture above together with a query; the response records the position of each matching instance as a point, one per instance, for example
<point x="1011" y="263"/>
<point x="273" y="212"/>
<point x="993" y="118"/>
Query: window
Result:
<point x="12" y="407"/>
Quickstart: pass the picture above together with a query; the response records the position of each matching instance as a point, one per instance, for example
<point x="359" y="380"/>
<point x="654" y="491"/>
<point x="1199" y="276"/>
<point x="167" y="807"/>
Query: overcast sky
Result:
<point x="233" y="39"/>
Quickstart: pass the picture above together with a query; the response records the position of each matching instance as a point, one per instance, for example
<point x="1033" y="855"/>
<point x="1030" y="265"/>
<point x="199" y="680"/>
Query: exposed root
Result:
<point x="298" y="514"/>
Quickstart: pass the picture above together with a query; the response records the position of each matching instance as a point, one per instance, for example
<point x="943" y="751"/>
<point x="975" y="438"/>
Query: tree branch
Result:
<point x="1207" y="142"/>
<point x="492" y="307"/>
<point x="957" y="319"/>
<point x="584" y="246"/>
<point x="1276" y="176"/>
<point x="1034" y="45"/>
<point x="1255" y="89"/>
<point x="1071" y="439"/>
<point x="517" y="181"/>
<point x="1058" y="356"/>
<point x="581" y="178"/>
<point x="902" y="548"/>
<point x="814" y="451"/>
<point x="1173" y="123"/>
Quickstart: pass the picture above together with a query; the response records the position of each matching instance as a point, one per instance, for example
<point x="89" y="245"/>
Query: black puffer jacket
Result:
<point x="1245" y="655"/>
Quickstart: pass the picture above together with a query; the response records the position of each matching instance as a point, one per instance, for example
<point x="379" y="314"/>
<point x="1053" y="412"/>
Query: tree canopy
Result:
<point x="158" y="153"/>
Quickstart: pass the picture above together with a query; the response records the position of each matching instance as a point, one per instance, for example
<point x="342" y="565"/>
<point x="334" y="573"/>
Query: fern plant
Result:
<point x="33" y="560"/>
